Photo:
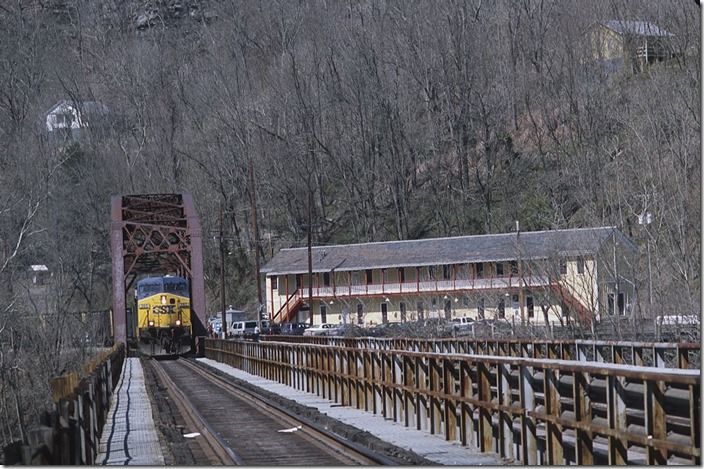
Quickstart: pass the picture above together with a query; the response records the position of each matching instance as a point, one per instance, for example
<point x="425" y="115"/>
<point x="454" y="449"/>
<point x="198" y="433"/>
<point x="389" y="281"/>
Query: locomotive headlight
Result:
<point x="151" y="323"/>
<point x="163" y="299"/>
<point x="178" y="322"/>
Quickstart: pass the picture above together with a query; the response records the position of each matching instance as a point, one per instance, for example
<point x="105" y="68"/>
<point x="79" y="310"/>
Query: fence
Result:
<point x="70" y="434"/>
<point x="535" y="410"/>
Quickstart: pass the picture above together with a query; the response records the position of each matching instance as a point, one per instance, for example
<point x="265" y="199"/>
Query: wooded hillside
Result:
<point x="390" y="119"/>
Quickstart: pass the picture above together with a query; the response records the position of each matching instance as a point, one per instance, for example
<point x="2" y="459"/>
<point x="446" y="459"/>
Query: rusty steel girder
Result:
<point x="156" y="234"/>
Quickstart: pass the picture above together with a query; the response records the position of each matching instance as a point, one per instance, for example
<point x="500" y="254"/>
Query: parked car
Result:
<point x="385" y="329"/>
<point x="497" y="327"/>
<point x="294" y="328"/>
<point x="271" y="328"/>
<point x="462" y="326"/>
<point x="244" y="330"/>
<point x="346" y="330"/>
<point x="318" y="329"/>
<point x="436" y="327"/>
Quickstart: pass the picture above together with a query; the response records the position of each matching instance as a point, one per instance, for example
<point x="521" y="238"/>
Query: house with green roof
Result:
<point x="533" y="277"/>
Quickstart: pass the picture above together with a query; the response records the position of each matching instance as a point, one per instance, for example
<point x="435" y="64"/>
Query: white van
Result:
<point x="244" y="330"/>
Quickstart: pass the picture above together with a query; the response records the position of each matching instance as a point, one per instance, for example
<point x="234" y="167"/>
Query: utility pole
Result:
<point x="253" y="202"/>
<point x="222" y="277"/>
<point x="310" y="253"/>
<point x="520" y="274"/>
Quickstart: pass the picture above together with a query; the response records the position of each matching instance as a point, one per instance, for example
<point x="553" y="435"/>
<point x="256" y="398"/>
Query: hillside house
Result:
<point x="70" y="118"/>
<point x="526" y="277"/>
<point x="633" y="44"/>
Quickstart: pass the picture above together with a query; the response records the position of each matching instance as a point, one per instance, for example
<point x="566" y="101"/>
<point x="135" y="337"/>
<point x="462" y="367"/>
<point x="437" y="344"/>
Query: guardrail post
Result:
<point x="397" y="391"/>
<point x="695" y="422"/>
<point x="505" y="415"/>
<point x="553" y="409"/>
<point x="682" y="358"/>
<point x="422" y="386"/>
<point x="409" y="404"/>
<point x="378" y="384"/>
<point x="450" y="414"/>
<point x="584" y="440"/>
<point x="467" y="428"/>
<point x="655" y="425"/>
<point x="387" y="377"/>
<point x="435" y="411"/>
<point x="618" y="450"/>
<point x="486" y="438"/>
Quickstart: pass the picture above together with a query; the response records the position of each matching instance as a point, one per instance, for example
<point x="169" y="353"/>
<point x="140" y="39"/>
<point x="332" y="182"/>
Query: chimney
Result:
<point x="518" y="228"/>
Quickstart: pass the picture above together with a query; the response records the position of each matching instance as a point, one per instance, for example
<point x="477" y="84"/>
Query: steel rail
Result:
<point x="316" y="432"/>
<point x="212" y="440"/>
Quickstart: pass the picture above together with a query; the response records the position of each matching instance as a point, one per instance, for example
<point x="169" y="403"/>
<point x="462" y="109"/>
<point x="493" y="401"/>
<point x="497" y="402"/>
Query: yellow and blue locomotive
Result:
<point x="164" y="312"/>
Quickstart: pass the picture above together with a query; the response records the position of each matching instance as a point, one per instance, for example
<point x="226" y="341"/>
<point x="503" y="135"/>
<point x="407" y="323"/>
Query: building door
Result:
<point x="448" y="308"/>
<point x="323" y="313"/>
<point x="502" y="308"/>
<point x="402" y="308"/>
<point x="384" y="312"/>
<point x="360" y="314"/>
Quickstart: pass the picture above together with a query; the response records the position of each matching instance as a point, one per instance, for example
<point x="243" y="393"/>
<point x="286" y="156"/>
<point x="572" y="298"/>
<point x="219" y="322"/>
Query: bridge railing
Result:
<point x="70" y="433"/>
<point x="530" y="410"/>
<point x="656" y="354"/>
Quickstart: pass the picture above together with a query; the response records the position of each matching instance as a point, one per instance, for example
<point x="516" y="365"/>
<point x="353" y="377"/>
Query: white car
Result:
<point x="319" y="329"/>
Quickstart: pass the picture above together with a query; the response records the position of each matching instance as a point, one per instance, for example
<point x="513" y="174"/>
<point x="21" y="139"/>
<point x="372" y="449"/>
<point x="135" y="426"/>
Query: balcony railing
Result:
<point x="426" y="286"/>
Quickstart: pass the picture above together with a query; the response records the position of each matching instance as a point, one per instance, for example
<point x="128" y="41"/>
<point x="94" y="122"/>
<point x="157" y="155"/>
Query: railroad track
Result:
<point x="237" y="426"/>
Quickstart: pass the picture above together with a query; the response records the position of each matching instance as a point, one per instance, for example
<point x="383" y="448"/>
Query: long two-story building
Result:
<point x="527" y="277"/>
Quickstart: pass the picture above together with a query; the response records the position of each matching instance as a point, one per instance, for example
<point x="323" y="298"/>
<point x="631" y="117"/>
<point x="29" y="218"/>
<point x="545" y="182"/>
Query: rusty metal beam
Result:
<point x="156" y="234"/>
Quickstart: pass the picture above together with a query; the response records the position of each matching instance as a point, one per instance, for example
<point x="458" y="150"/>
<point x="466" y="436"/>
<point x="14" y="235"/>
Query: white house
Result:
<point x="70" y="116"/>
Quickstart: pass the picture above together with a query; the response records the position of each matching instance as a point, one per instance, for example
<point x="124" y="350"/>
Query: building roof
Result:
<point x="444" y="251"/>
<point x="635" y="28"/>
<point x="86" y="107"/>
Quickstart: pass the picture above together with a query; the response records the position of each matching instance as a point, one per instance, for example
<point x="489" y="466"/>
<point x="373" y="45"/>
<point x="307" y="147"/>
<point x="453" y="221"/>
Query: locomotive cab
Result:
<point x="163" y="305"/>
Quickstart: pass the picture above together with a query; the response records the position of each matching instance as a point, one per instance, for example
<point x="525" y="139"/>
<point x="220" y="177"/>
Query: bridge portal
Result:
<point x="156" y="234"/>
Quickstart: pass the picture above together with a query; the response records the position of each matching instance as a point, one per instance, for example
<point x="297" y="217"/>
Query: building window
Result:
<point x="370" y="277"/>
<point x="402" y="308"/>
<point x="299" y="280"/>
<point x="465" y="301"/>
<point x="563" y="266"/>
<point x="621" y="306"/>
<point x="275" y="283"/>
<point x="480" y="308"/>
<point x="401" y="275"/>
<point x="326" y="279"/>
<point x="446" y="272"/>
<point x="530" y="306"/>
<point x="431" y="272"/>
<point x="580" y="265"/>
<point x="323" y="313"/>
<point x="499" y="269"/>
<point x="360" y="314"/>
<point x="514" y="267"/>
<point x="479" y="270"/>
<point x="502" y="308"/>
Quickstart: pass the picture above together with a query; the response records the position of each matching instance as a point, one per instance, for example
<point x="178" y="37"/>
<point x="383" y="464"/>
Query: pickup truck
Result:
<point x="461" y="326"/>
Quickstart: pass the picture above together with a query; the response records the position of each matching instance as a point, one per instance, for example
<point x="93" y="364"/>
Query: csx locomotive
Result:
<point x="164" y="312"/>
